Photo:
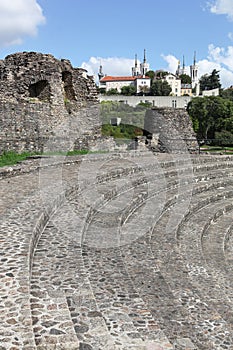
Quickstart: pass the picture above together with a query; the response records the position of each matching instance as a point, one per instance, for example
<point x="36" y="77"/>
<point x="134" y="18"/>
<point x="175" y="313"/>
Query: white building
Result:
<point x="175" y="84"/>
<point x="141" y="83"/>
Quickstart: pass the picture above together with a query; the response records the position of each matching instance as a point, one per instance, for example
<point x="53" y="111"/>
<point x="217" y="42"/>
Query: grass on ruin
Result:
<point x="12" y="158"/>
<point x="217" y="149"/>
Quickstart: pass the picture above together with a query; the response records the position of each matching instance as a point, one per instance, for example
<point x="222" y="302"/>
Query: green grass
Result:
<point x="217" y="149"/>
<point x="11" y="158"/>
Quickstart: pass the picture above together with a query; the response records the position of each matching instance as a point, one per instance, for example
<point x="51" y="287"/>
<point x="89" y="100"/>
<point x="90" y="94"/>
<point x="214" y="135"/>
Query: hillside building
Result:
<point x="175" y="84"/>
<point x="186" y="90"/>
<point x="138" y="79"/>
<point x="140" y="82"/>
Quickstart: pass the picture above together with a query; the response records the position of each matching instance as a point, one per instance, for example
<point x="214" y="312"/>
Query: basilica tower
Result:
<point x="144" y="66"/>
<point x="194" y="72"/>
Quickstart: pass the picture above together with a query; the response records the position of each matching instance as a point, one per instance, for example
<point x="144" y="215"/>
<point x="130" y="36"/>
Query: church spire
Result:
<point x="194" y="58"/>
<point x="144" y="60"/>
<point x="144" y="66"/>
<point x="183" y="63"/>
<point x="100" y="74"/>
<point x="178" y="68"/>
<point x="135" y="69"/>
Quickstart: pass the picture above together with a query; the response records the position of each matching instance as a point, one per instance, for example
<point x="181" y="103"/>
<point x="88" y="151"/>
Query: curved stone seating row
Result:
<point x="84" y="324"/>
<point x="178" y="269"/>
<point x="206" y="201"/>
<point x="122" y="293"/>
<point x="30" y="220"/>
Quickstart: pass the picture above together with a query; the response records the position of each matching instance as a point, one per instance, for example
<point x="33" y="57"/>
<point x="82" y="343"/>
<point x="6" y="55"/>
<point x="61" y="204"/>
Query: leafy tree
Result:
<point x="160" y="74"/>
<point x="210" y="81"/>
<point x="112" y="92"/>
<point x="150" y="74"/>
<point x="225" y="136"/>
<point x="160" y="88"/>
<point x="128" y="90"/>
<point x="101" y="90"/>
<point x="227" y="93"/>
<point x="210" y="114"/>
<point x="185" y="79"/>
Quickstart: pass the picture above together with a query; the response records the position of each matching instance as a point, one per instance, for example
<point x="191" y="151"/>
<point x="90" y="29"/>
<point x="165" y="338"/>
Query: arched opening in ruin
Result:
<point x="40" y="90"/>
<point x="68" y="86"/>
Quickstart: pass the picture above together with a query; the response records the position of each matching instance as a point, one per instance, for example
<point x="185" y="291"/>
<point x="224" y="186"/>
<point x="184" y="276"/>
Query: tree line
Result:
<point x="212" y="116"/>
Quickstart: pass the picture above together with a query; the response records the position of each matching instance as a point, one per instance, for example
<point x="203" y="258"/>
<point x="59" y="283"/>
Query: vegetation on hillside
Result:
<point x="122" y="132"/>
<point x="132" y="119"/>
<point x="212" y="118"/>
<point x="129" y="115"/>
<point x="210" y="81"/>
<point x="160" y="88"/>
<point x="185" y="79"/>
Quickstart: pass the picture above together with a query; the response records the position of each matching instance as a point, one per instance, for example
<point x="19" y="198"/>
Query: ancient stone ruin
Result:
<point x="37" y="94"/>
<point x="169" y="130"/>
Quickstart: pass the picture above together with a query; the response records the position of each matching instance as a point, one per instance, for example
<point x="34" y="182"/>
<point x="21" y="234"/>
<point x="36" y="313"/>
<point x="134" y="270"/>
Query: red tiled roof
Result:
<point x="110" y="78"/>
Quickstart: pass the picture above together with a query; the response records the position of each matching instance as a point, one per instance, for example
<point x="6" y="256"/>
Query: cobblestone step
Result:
<point x="168" y="308"/>
<point x="206" y="199"/>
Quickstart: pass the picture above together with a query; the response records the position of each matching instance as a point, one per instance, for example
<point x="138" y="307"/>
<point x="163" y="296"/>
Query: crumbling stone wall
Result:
<point x="170" y="130"/>
<point x="39" y="93"/>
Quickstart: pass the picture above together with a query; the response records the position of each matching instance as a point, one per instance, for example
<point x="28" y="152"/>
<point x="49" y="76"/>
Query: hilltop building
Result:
<point x="138" y="79"/>
<point x="174" y="82"/>
<point x="141" y="83"/>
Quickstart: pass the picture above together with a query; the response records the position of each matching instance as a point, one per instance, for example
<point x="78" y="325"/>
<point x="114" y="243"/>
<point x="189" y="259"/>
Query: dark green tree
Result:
<point x="128" y="90"/>
<point x="160" y="74"/>
<point x="227" y="93"/>
<point x="210" y="81"/>
<point x="150" y="74"/>
<point x="185" y="79"/>
<point x="112" y="92"/>
<point x="160" y="88"/>
<point x="210" y="114"/>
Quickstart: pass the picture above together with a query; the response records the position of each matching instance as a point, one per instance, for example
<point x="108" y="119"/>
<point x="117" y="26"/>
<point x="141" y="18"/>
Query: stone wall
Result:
<point x="42" y="97"/>
<point x="170" y="130"/>
<point x="156" y="101"/>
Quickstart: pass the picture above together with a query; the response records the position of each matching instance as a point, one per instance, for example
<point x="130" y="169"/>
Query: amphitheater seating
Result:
<point x="118" y="251"/>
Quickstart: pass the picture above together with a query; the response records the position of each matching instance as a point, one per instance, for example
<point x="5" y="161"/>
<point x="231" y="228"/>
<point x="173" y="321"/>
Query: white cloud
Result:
<point x="222" y="56"/>
<point x="116" y="66"/>
<point x="230" y="36"/>
<point x="19" y="18"/>
<point x="222" y="7"/>
<point x="172" y="63"/>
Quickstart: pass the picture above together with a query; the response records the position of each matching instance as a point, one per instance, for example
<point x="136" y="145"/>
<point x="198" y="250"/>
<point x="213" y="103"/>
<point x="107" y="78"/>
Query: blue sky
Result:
<point x="112" y="31"/>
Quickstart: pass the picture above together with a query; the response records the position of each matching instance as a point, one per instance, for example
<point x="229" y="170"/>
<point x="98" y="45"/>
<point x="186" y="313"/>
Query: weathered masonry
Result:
<point x="39" y="93"/>
<point x="169" y="130"/>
